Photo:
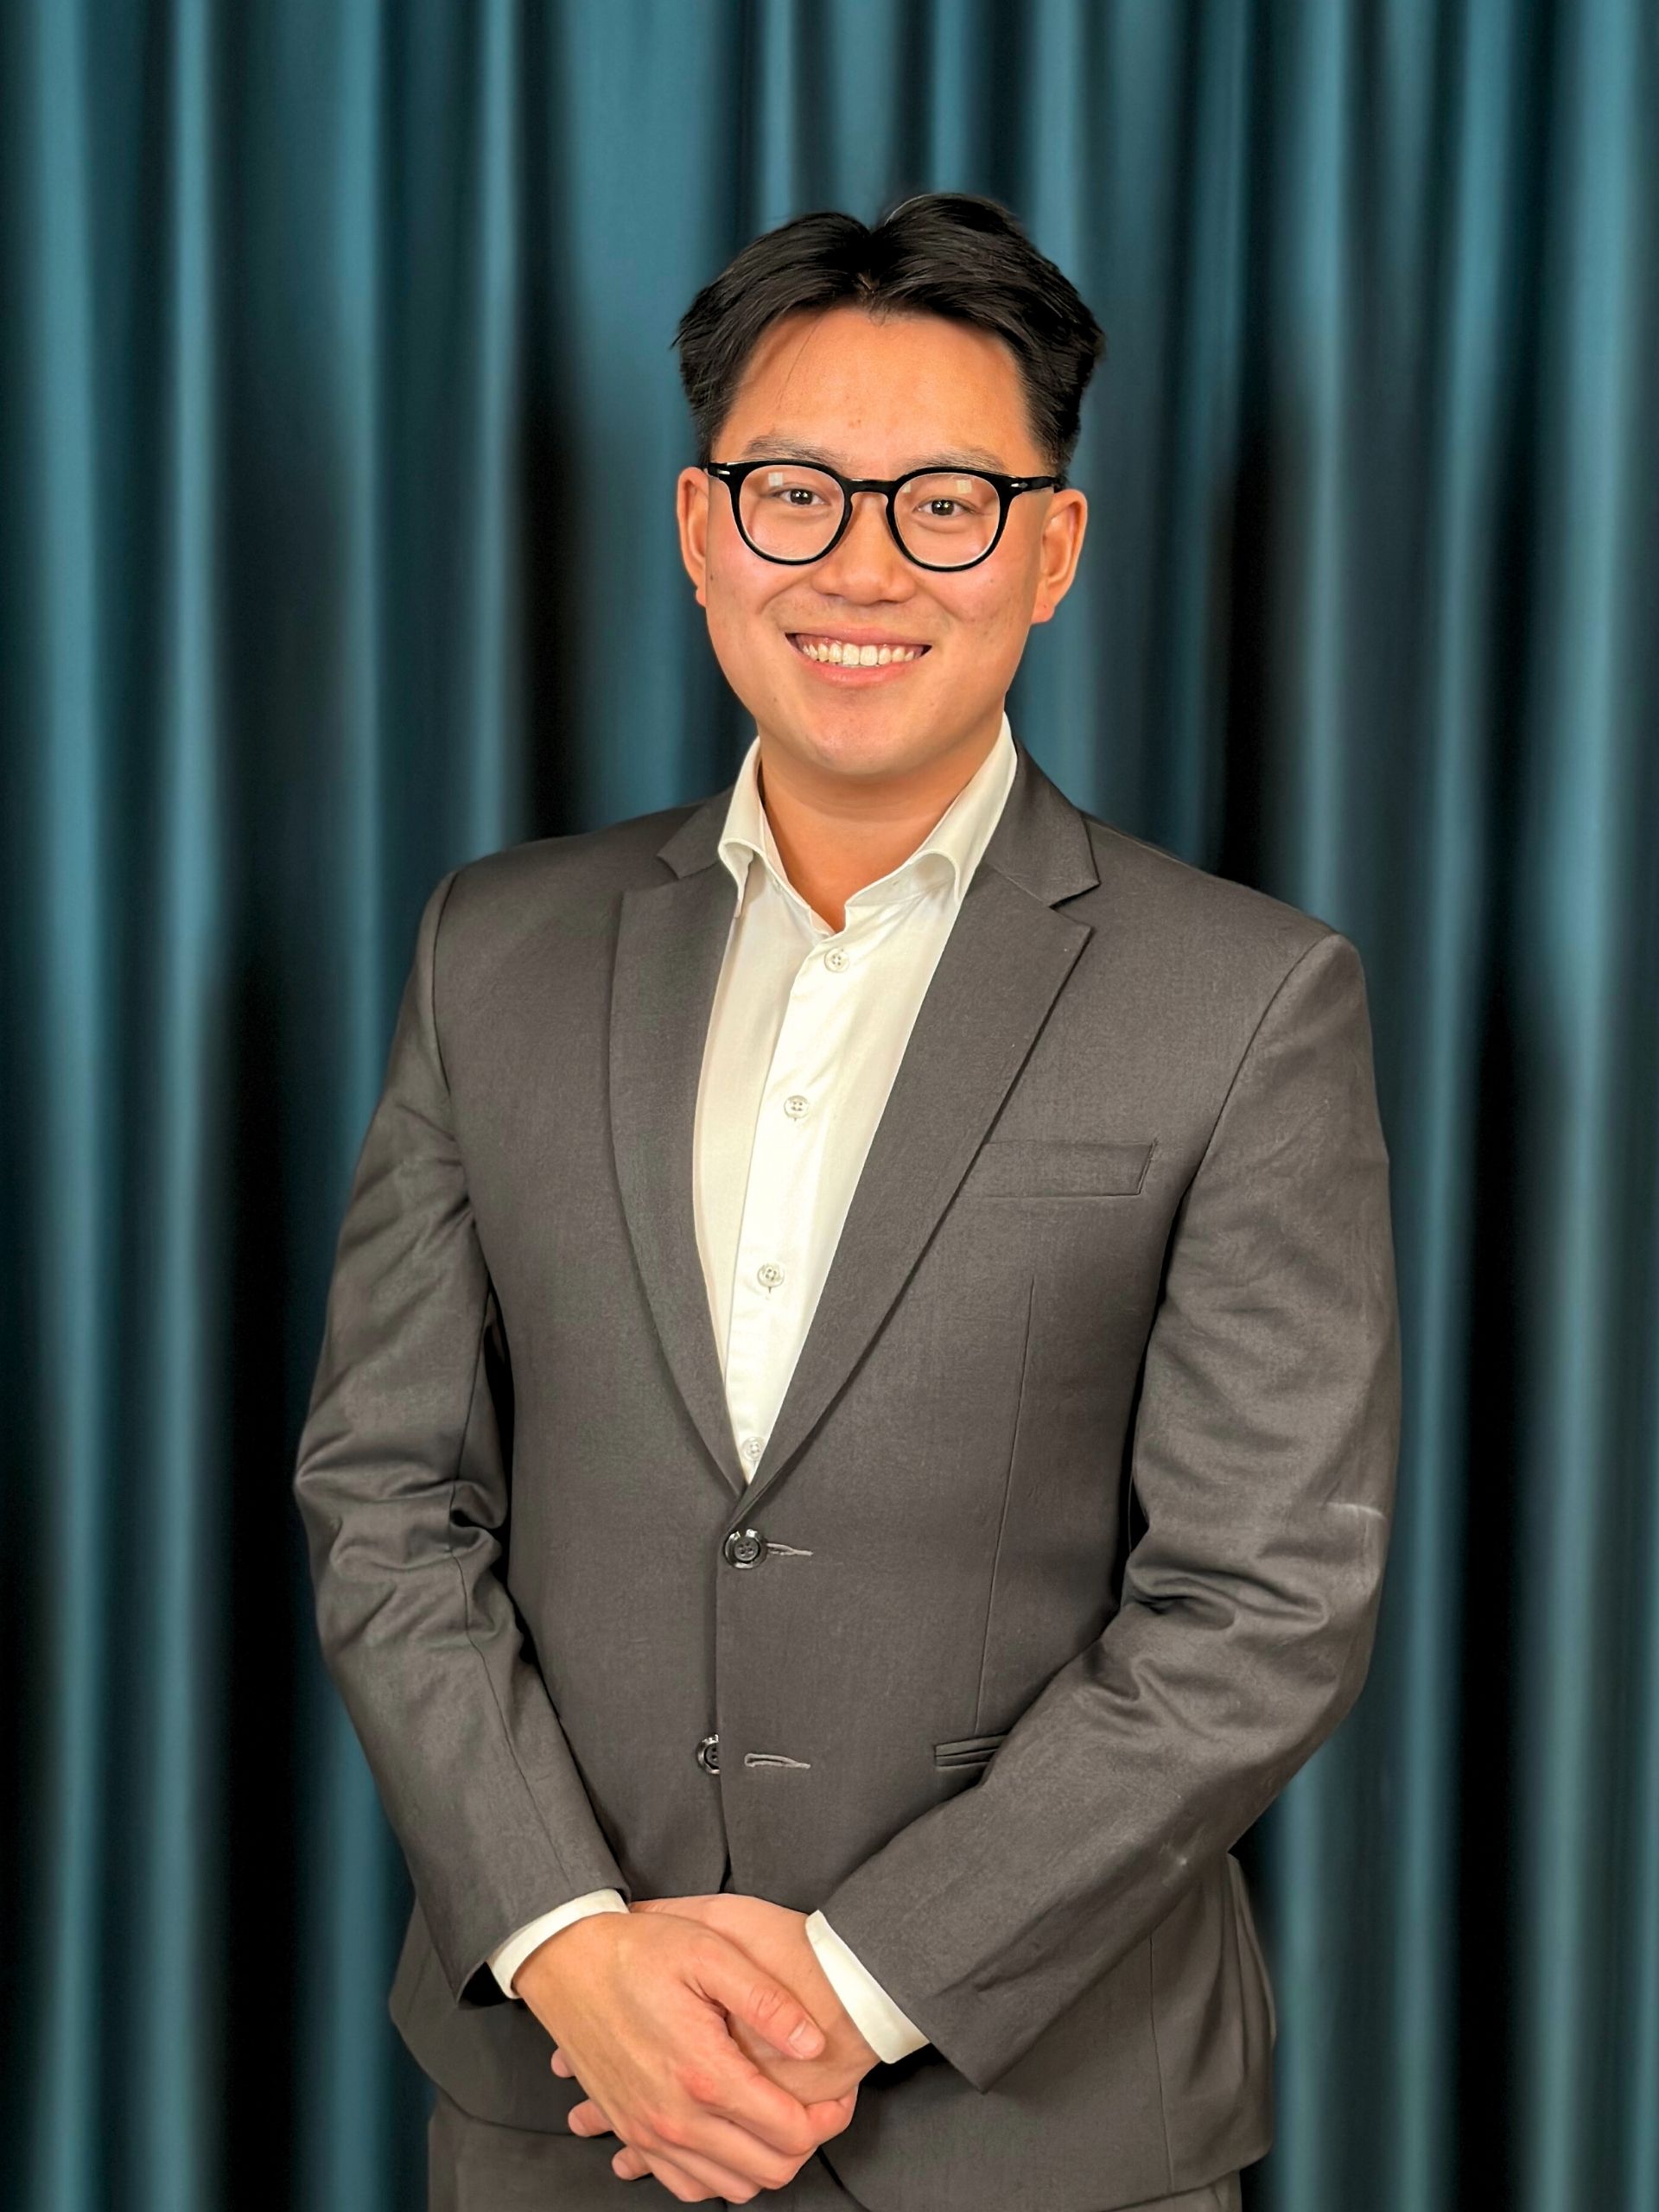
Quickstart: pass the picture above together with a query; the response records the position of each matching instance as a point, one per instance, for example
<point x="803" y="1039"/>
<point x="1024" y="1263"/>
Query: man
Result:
<point x="802" y="1235"/>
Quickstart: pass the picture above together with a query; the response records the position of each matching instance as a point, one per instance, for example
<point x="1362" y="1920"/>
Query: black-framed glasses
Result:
<point x="796" y="511"/>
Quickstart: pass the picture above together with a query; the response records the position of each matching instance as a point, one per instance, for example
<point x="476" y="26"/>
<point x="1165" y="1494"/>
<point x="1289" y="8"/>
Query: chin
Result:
<point x="845" y="750"/>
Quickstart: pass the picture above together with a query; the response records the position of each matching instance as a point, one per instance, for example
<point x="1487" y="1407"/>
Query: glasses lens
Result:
<point x="947" y="517"/>
<point x="789" y="510"/>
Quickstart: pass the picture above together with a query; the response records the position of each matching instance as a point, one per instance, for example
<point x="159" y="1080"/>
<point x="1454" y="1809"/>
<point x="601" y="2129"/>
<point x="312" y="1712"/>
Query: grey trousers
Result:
<point x="473" y="2166"/>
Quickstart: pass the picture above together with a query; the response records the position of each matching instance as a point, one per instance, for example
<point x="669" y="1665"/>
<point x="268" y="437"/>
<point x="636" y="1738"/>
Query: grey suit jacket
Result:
<point x="1066" y="1547"/>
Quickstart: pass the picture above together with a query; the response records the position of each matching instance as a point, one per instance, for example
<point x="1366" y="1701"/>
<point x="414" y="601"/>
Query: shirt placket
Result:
<point x="774" y="1278"/>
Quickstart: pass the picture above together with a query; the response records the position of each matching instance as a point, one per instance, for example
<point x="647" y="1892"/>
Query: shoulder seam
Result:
<point x="1233" y="883"/>
<point x="445" y="888"/>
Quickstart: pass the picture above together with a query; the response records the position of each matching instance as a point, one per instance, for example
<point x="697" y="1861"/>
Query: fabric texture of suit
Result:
<point x="1071" y="1525"/>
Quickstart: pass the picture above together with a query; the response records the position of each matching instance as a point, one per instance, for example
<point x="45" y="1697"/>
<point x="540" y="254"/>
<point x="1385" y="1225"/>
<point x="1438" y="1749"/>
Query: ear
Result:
<point x="691" y="513"/>
<point x="1064" y="527"/>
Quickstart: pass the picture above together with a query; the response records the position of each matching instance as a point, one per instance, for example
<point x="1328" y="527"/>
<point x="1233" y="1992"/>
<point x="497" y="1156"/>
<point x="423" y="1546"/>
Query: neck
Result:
<point x="836" y="833"/>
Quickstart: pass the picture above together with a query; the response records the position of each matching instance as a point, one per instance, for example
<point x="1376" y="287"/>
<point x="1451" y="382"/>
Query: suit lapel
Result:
<point x="670" y="945"/>
<point x="1003" y="964"/>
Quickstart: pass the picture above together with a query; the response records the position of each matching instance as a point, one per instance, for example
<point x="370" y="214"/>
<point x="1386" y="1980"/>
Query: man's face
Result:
<point x="876" y="398"/>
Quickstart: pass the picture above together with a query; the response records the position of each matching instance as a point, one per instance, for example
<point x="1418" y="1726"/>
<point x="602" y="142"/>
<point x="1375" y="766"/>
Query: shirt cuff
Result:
<point x="507" y="1959"/>
<point x="889" y="2032"/>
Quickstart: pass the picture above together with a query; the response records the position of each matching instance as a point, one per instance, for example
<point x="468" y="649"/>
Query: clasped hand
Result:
<point x="679" y="2022"/>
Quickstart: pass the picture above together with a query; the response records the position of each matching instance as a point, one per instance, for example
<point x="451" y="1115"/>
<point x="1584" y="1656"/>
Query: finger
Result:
<point x="631" y="2164"/>
<point x="693" y="2177"/>
<point x="724" y="2084"/>
<point x="707" y="2164"/>
<point x="679" y="2185"/>
<point x="561" y="2064"/>
<point x="831" y="2115"/>
<point x="731" y="1979"/>
<point x="728" y="2157"/>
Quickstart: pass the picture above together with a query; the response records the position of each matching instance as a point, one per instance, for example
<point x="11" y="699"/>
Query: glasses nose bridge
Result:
<point x="881" y="494"/>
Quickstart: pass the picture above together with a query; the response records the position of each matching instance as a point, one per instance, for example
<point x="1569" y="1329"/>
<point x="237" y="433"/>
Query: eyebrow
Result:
<point x="770" y="447"/>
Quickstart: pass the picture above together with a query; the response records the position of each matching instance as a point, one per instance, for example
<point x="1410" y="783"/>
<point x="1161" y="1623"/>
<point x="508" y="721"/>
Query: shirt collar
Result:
<point x="947" y="855"/>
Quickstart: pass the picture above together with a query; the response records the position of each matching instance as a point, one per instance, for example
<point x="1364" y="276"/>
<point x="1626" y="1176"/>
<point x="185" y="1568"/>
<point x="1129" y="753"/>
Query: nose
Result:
<point x="866" y="563"/>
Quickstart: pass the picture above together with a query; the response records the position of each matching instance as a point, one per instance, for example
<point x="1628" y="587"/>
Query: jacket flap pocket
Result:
<point x="966" y="1751"/>
<point x="1037" y="1168"/>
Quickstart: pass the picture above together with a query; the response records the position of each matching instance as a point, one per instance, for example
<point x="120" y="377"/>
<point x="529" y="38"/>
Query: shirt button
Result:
<point x="769" y="1275"/>
<point x="795" y="1106"/>
<point x="835" y="957"/>
<point x="752" y="1448"/>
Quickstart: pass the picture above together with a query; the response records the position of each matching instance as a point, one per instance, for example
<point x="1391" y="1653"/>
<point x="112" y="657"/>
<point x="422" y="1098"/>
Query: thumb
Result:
<point x="744" y="1991"/>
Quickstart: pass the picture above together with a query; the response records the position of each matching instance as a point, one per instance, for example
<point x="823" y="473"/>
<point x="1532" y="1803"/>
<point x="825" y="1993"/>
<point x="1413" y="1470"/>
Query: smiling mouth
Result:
<point x="829" y="652"/>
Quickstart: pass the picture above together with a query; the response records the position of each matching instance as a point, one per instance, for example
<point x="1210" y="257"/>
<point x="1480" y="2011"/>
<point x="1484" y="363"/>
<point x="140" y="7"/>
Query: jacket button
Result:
<point x="709" y="1754"/>
<point x="744" y="1547"/>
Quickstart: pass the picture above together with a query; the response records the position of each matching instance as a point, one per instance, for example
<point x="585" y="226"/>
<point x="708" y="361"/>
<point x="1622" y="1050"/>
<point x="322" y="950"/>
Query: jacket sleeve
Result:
<point x="1264" y="1457"/>
<point x="890" y="2034"/>
<point x="403" y="1486"/>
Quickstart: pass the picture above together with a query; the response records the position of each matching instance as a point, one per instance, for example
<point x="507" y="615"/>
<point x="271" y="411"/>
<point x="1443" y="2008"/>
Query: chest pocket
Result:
<point x="966" y="1751"/>
<point x="1042" y="1167"/>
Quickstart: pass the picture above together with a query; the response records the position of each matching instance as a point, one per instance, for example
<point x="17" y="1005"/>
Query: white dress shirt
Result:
<point x="806" y="1033"/>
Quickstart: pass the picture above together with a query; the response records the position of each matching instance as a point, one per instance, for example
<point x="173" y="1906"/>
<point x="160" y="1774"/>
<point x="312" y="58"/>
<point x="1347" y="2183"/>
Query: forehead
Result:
<point x="896" y="391"/>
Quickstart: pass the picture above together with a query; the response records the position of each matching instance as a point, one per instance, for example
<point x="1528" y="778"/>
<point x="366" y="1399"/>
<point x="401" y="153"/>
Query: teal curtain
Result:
<point x="338" y="429"/>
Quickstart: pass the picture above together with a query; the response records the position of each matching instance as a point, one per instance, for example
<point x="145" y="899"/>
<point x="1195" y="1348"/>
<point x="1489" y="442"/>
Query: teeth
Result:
<point x="850" y="656"/>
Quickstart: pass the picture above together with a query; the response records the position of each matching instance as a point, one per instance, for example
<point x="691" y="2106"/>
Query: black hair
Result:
<point x="954" y="254"/>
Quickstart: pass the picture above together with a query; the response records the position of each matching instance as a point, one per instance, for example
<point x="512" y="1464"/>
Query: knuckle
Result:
<point x="695" y="2081"/>
<point x="767" y="2000"/>
<point x="804" y="2139"/>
